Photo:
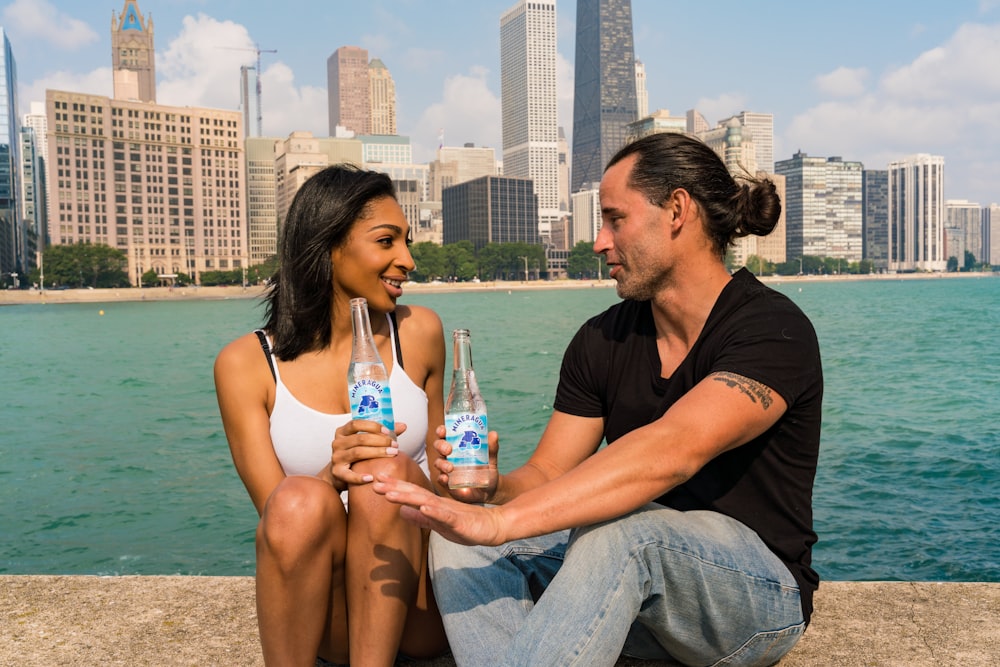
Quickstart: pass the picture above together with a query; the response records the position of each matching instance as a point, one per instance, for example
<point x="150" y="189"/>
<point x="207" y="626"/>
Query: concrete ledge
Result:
<point x="172" y="620"/>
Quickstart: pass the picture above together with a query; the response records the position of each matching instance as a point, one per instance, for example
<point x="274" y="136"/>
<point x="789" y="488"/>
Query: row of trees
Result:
<point x="811" y="265"/>
<point x="814" y="265"/>
<point x="81" y="265"/>
<point x="460" y="261"/>
<point x="969" y="263"/>
<point x="98" y="265"/>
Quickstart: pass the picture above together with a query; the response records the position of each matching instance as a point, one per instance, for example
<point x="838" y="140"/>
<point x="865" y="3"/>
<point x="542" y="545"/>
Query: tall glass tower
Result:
<point x="528" y="102"/>
<point x="12" y="233"/>
<point x="604" y="97"/>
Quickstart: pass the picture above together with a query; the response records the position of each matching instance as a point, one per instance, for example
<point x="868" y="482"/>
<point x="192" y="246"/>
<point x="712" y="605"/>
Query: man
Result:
<point x="688" y="537"/>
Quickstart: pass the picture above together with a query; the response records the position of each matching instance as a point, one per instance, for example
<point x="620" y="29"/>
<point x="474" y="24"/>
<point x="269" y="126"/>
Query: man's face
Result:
<point x="634" y="236"/>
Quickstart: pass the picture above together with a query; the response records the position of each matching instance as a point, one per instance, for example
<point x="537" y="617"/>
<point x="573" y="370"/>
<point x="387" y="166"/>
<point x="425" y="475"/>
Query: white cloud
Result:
<point x="287" y="108"/>
<point x="946" y="102"/>
<point x="38" y="19"/>
<point x="468" y="111"/>
<point x="715" y="109"/>
<point x="97" y="82"/>
<point x="201" y="65"/>
<point x="843" y="82"/>
<point x="965" y="65"/>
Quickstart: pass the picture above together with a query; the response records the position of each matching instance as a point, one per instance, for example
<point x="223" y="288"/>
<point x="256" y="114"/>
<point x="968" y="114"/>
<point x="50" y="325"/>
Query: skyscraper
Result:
<point x="875" y="216"/>
<point x="967" y="219"/>
<point x="734" y="144"/>
<point x="604" y="97"/>
<point x="823" y="206"/>
<point x="348" y="90"/>
<point x="916" y="214"/>
<point x="760" y="127"/>
<point x="165" y="185"/>
<point x="991" y="233"/>
<point x="12" y="232"/>
<point x="262" y="214"/>
<point x="132" y="55"/>
<point x="528" y="101"/>
<point x="383" y="98"/>
<point x="641" y="94"/>
<point x="696" y="122"/>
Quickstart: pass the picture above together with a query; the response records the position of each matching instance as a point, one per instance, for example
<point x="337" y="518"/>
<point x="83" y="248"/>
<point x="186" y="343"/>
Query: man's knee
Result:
<point x="444" y="554"/>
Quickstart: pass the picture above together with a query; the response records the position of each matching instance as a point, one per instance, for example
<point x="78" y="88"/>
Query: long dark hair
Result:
<point x="667" y="161"/>
<point x="319" y="220"/>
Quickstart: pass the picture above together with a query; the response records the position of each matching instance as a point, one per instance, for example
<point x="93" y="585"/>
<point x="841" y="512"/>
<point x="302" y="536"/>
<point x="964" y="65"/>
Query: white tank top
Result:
<point x="302" y="436"/>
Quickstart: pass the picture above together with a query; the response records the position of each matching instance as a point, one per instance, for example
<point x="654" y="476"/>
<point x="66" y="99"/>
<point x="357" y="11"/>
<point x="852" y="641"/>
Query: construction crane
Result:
<point x="243" y="92"/>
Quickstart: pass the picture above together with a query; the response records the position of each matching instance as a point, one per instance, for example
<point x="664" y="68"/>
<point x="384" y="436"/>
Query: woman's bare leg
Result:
<point x="301" y="545"/>
<point x="386" y="556"/>
<point x="423" y="635"/>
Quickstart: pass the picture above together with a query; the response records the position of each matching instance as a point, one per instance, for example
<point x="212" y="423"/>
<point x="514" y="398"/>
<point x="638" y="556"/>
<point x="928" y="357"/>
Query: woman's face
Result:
<point x="374" y="261"/>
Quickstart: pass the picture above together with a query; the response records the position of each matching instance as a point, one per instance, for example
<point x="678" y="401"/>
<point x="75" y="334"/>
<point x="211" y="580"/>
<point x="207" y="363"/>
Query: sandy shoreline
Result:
<point x="13" y="297"/>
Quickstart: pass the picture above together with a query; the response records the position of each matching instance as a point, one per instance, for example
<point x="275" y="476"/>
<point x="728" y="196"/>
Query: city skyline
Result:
<point x="909" y="78"/>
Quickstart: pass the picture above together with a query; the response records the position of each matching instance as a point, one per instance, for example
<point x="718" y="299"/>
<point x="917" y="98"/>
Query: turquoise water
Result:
<point x="113" y="461"/>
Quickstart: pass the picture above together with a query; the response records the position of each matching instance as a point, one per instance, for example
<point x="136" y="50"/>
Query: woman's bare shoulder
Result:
<point x="243" y="355"/>
<point x="422" y="319"/>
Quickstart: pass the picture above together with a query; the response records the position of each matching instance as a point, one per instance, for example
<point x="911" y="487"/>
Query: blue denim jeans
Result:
<point x="692" y="588"/>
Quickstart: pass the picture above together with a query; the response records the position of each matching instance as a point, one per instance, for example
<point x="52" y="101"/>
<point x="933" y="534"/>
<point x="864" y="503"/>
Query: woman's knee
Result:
<point x="399" y="466"/>
<point x="362" y="497"/>
<point x="300" y="512"/>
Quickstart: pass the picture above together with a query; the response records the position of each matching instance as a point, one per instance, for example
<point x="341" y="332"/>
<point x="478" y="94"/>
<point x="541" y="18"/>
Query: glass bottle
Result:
<point x="367" y="379"/>
<point x="465" y="420"/>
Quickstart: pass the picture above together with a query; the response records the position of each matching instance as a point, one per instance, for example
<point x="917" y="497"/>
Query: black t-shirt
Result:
<point x="611" y="370"/>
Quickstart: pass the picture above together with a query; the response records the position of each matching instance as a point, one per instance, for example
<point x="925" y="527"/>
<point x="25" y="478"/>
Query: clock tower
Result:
<point x="132" y="55"/>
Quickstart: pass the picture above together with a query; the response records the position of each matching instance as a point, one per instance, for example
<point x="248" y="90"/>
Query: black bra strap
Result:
<point x="267" y="351"/>
<point x="395" y="337"/>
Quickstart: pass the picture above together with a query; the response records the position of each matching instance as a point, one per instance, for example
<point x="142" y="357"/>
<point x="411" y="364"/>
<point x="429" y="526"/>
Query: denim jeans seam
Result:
<point x="513" y="552"/>
<point x="719" y="566"/>
<point x="774" y="636"/>
<point x="606" y="603"/>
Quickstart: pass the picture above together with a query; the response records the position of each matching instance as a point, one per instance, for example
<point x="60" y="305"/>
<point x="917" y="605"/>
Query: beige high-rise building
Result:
<point x="300" y="156"/>
<point x="348" y="90"/>
<point x="696" y="122"/>
<point x="262" y="214"/>
<point x="383" y="98"/>
<point x="458" y="164"/>
<point x="734" y="144"/>
<point x="162" y="184"/>
<point x="133" y="58"/>
<point x="655" y="123"/>
<point x="165" y="185"/>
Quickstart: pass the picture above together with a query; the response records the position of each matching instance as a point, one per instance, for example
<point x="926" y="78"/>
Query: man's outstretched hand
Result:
<point x="456" y="521"/>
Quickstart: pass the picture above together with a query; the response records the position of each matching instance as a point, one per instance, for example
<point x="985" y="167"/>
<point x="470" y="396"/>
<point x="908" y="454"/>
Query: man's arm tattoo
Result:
<point x="755" y="391"/>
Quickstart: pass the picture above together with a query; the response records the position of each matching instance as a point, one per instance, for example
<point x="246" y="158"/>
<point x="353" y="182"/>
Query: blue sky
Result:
<point x="872" y="80"/>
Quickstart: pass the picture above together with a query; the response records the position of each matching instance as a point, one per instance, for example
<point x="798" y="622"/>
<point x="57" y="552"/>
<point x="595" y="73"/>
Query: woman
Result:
<point x="344" y="586"/>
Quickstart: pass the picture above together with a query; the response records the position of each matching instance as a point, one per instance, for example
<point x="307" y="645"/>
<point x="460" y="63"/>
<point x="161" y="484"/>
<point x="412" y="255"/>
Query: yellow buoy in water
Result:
<point x="100" y="312"/>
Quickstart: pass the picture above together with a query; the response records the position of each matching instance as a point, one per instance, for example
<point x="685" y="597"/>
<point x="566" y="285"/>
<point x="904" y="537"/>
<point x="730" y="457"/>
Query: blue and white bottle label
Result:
<point x="370" y="399"/>
<point x="466" y="433"/>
